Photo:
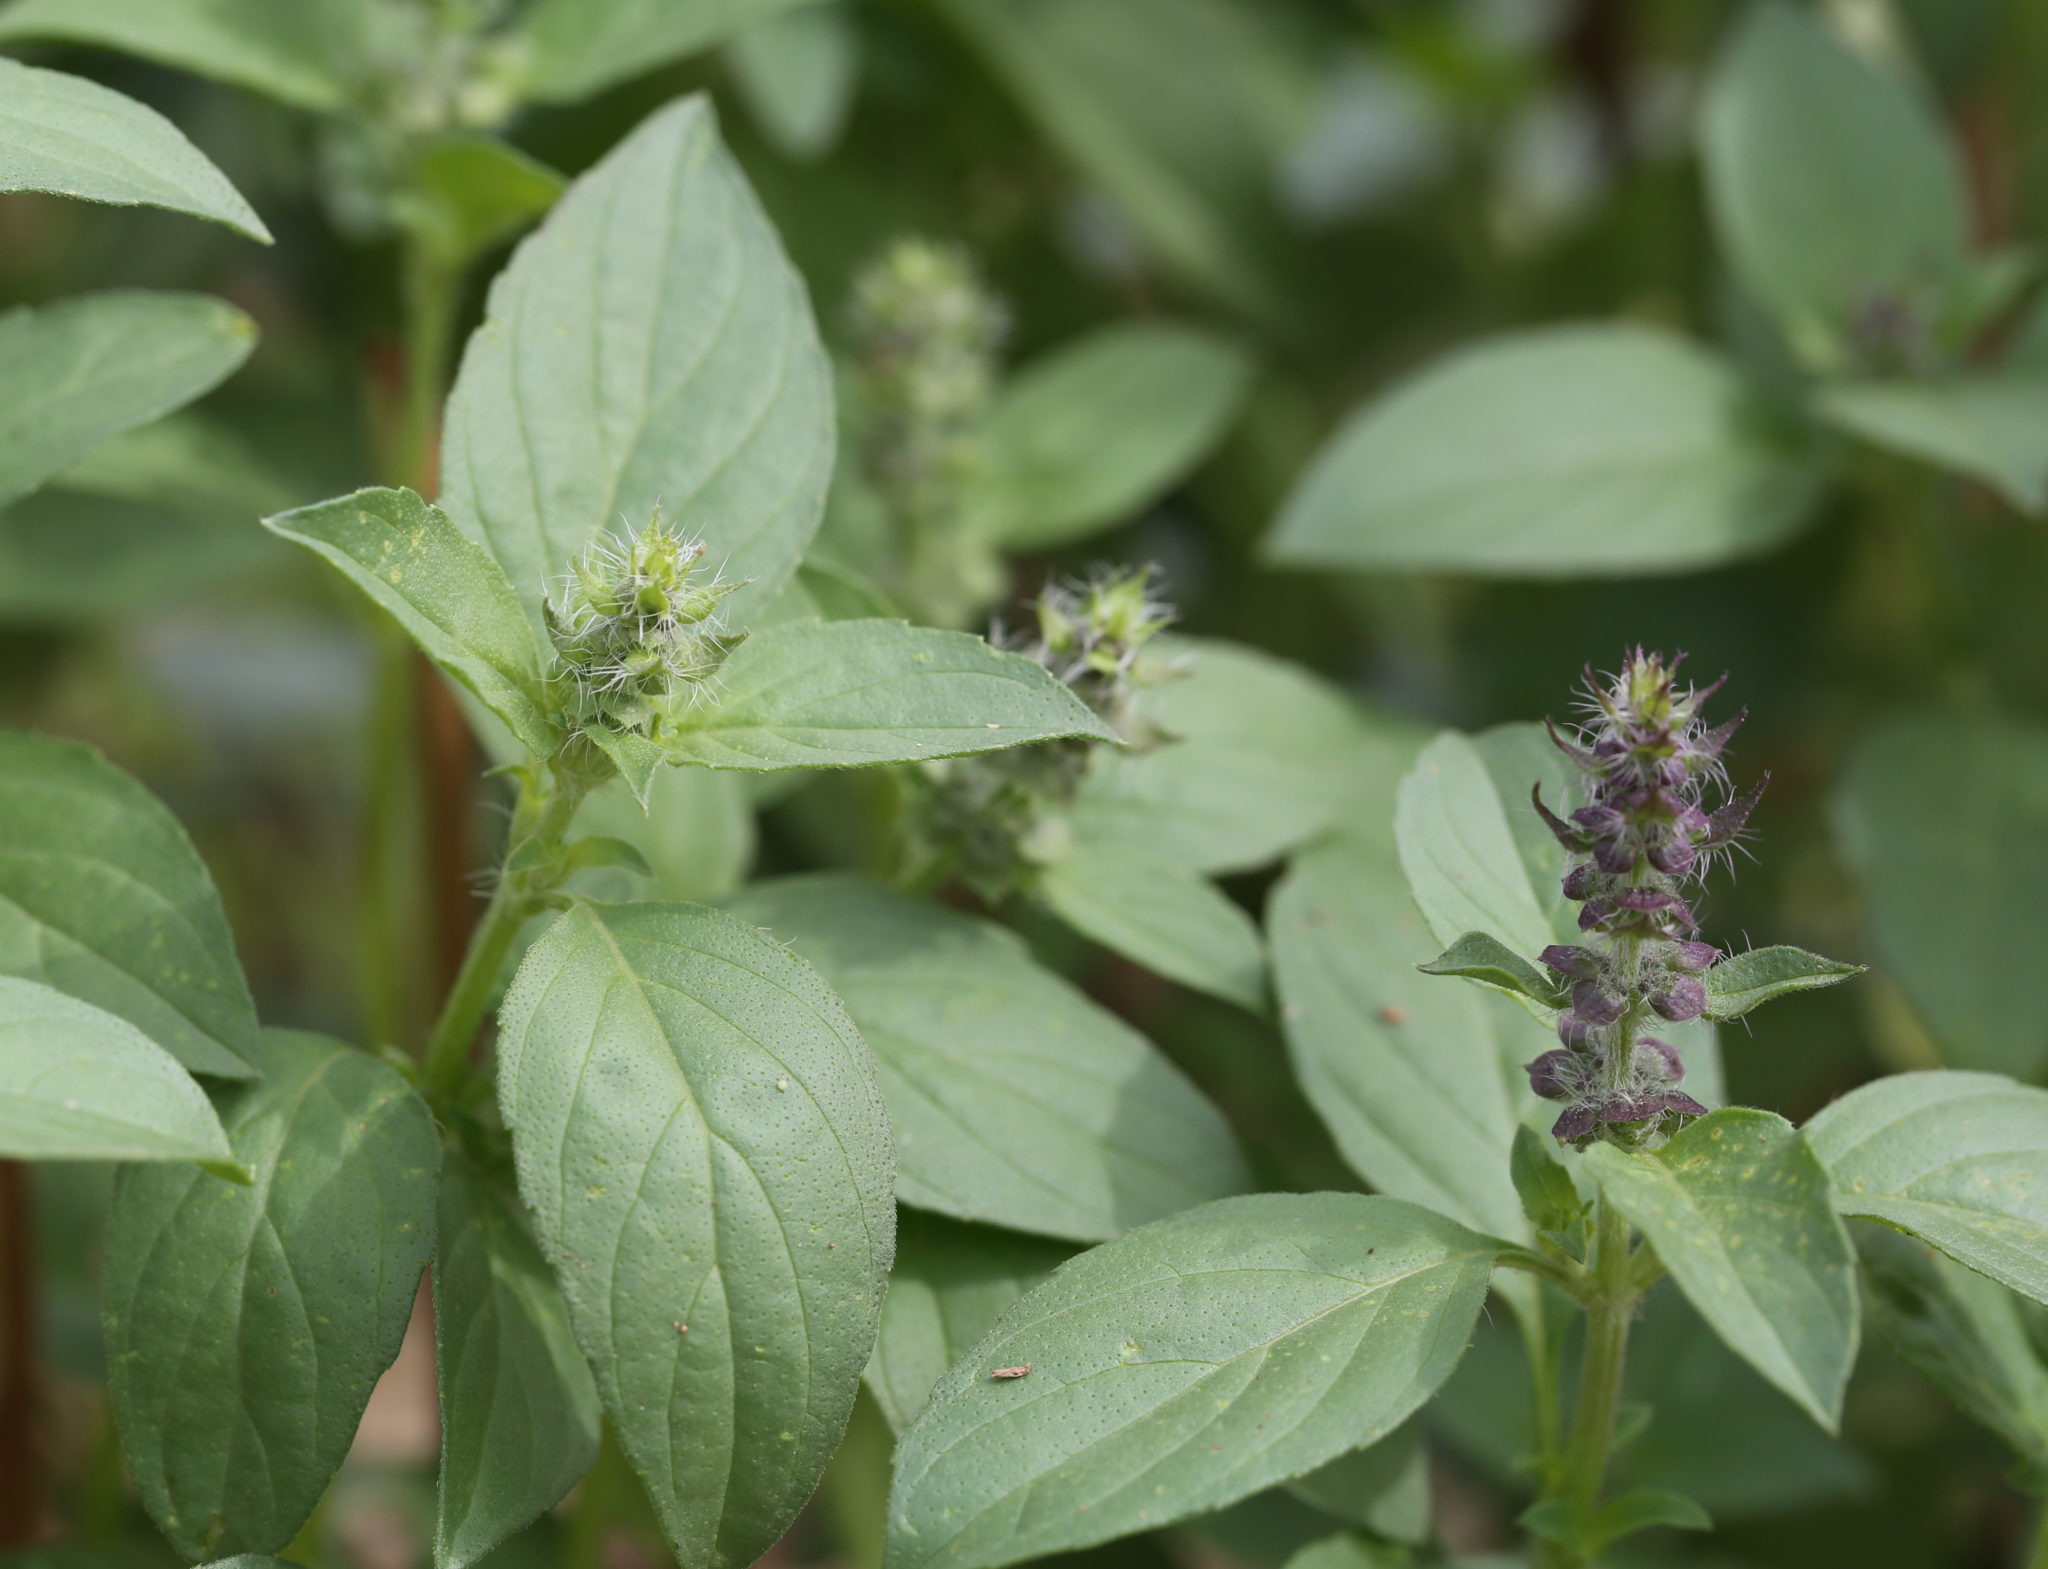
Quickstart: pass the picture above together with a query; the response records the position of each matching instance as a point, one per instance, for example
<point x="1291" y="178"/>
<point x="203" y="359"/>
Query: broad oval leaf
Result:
<point x="1957" y="1159"/>
<point x="1162" y="914"/>
<point x="310" y="53"/>
<point x="707" y="1159"/>
<point x="1183" y="1367"/>
<point x="1086" y="435"/>
<point x="1945" y="821"/>
<point x="71" y="137"/>
<point x="1415" y="1078"/>
<point x="1015" y="1099"/>
<point x="77" y="372"/>
<point x="1830" y="182"/>
<point x="246" y="1325"/>
<point x="649" y="343"/>
<point x="444" y="589"/>
<point x="843" y="694"/>
<point x="103" y="897"/>
<point x="1988" y="427"/>
<point x="1264" y="757"/>
<point x="1738" y="1208"/>
<point x="1966" y="1333"/>
<point x="573" y="48"/>
<point x="1610" y="450"/>
<point x="77" y="1083"/>
<point x="519" y="1413"/>
<point x="950" y="1283"/>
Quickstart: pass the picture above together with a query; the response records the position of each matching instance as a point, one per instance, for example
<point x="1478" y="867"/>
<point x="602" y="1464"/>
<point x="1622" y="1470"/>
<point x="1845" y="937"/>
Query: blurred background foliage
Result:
<point x="1312" y="205"/>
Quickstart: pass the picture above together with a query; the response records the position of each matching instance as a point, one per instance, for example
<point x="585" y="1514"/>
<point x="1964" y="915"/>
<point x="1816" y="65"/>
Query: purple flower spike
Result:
<point x="1554" y="1075"/>
<point x="1685" y="998"/>
<point x="1565" y="834"/>
<point x="1575" y="1124"/>
<point x="1581" y="964"/>
<point x="1582" y="882"/>
<point x="1693" y="955"/>
<point x="1674" y="858"/>
<point x="1724" y="826"/>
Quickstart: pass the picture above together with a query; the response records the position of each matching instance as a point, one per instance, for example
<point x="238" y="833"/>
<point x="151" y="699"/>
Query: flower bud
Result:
<point x="1581" y="964"/>
<point x="1554" y="1075"/>
<point x="1685" y="998"/>
<point x="1595" y="1004"/>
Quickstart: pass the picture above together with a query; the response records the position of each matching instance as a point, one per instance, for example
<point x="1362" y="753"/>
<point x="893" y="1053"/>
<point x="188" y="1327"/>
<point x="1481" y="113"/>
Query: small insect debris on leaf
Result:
<point x="1012" y="1372"/>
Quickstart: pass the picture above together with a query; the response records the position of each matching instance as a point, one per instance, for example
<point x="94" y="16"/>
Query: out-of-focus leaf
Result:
<point x="1163" y="915"/>
<point x="1957" y="1159"/>
<point x="158" y="513"/>
<point x="78" y="1083"/>
<point x="797" y="71"/>
<point x="310" y="53"/>
<point x="1090" y="433"/>
<point x="1988" y="427"/>
<point x="1945" y="820"/>
<point x="949" y="1284"/>
<point x="1383" y="1487"/>
<point x="1966" y="1334"/>
<point x="75" y="373"/>
<point x="103" y="897"/>
<point x="697" y="834"/>
<point x="1176" y="108"/>
<point x="280" y="1303"/>
<point x="1610" y="450"/>
<point x="1015" y="1099"/>
<point x="72" y="137"/>
<point x="1776" y="1279"/>
<point x="1180" y="1368"/>
<point x="656" y="321"/>
<point x="470" y="191"/>
<point x="569" y="49"/>
<point x="1264" y="756"/>
<point x="1833" y="190"/>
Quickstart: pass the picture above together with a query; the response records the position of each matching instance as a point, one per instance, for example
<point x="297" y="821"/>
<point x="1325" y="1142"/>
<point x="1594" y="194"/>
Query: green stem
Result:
<point x="519" y="895"/>
<point x="1611" y="1305"/>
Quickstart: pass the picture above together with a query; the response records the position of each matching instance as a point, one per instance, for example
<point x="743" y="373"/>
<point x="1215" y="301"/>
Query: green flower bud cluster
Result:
<point x="926" y="334"/>
<point x="996" y="817"/>
<point x="637" y="631"/>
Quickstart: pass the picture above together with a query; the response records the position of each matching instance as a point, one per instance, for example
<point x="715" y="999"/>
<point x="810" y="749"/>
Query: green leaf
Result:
<point x="310" y="53"/>
<point x="1645" y="1508"/>
<point x="1832" y="187"/>
<point x="1738" y="1208"/>
<point x="1956" y="1159"/>
<point x="1482" y="957"/>
<point x="1945" y="822"/>
<point x="1409" y="1074"/>
<point x="1349" y="1551"/>
<point x="103" y="897"/>
<point x="1743" y="981"/>
<point x="950" y="1283"/>
<point x="1015" y="1099"/>
<point x="1178" y="110"/>
<point x="1183" y="1367"/>
<point x="574" y="48"/>
<point x="707" y="1160"/>
<point x="1382" y="1488"/>
<point x="697" y="834"/>
<point x="149" y="518"/>
<point x="469" y="192"/>
<point x="445" y="591"/>
<point x="77" y="1083"/>
<point x="1605" y="450"/>
<point x="1988" y="427"/>
<point x="650" y="342"/>
<point x="797" y="71"/>
<point x="1087" y="435"/>
<point x="246" y="1325"/>
<point x="1549" y="1196"/>
<point x="1460" y="853"/>
<point x="71" y="137"/>
<point x="1266" y="757"/>
<point x="844" y="694"/>
<point x="638" y="760"/>
<point x="1162" y="914"/>
<point x="1966" y="1334"/>
<point x="77" y="372"/>
<point x="519" y="1413"/>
